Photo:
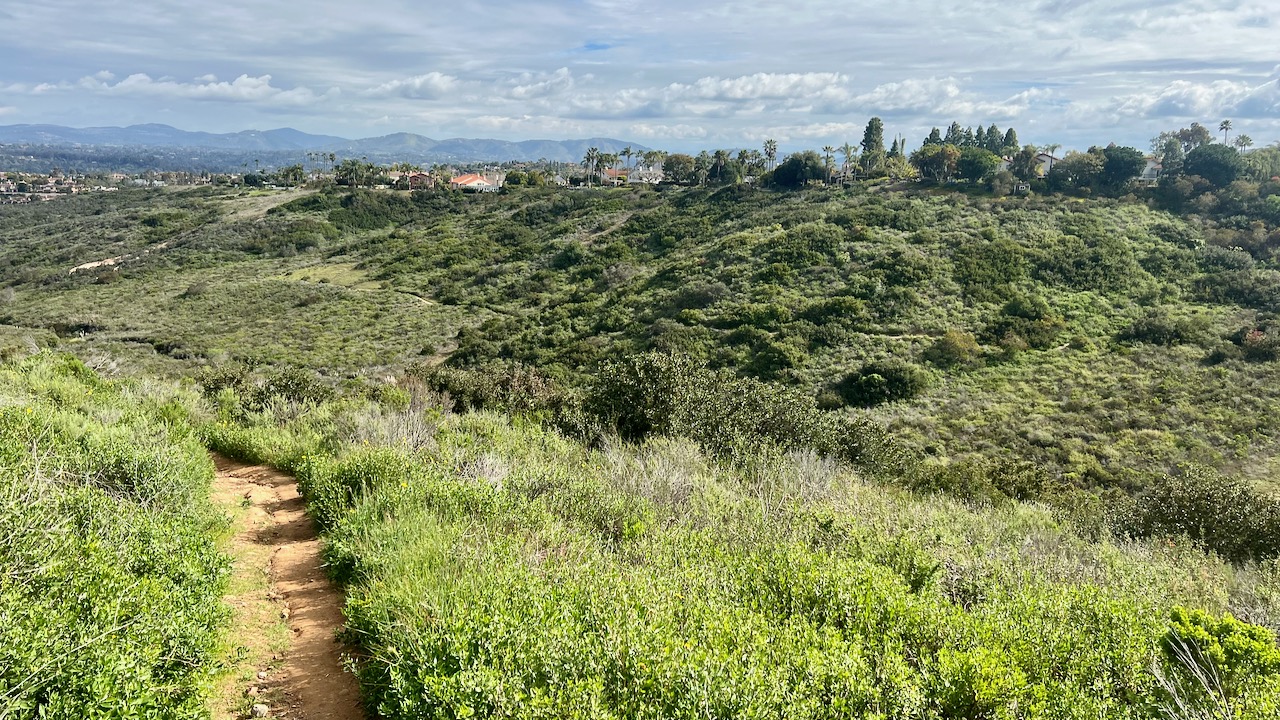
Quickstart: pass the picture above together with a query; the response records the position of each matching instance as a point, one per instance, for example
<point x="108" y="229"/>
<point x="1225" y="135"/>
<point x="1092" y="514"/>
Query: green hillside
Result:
<point x="864" y="452"/>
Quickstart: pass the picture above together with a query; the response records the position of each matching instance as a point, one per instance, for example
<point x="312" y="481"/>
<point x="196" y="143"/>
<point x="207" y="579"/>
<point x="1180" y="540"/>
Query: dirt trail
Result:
<point x="304" y="679"/>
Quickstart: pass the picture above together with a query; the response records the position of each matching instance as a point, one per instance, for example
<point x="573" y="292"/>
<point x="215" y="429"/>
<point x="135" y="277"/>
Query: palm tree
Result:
<point x="720" y="159"/>
<point x="628" y="153"/>
<point x="771" y="152"/>
<point x="849" y="152"/>
<point x="592" y="161"/>
<point x="1225" y="127"/>
<point x="1243" y="142"/>
<point x="827" y="152"/>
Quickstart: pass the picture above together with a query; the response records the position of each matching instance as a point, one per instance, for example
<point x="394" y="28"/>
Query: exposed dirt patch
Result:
<point x="256" y="205"/>
<point x="299" y="673"/>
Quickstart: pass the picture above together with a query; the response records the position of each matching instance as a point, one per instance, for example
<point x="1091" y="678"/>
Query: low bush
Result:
<point x="110" y="583"/>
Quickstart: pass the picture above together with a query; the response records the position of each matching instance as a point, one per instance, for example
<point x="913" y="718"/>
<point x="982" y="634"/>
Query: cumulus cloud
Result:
<point x="1219" y="98"/>
<point x="431" y="86"/>
<point x="244" y="89"/>
<point x="529" y="86"/>
<point x="761" y="86"/>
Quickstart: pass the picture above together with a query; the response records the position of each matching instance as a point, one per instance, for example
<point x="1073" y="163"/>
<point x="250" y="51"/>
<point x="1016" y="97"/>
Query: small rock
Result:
<point x="261" y="711"/>
<point x="262" y="674"/>
<point x="252" y="691"/>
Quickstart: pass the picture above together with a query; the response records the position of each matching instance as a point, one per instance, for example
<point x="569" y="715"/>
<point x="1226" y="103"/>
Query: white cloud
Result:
<point x="677" y="132"/>
<point x="761" y="86"/>
<point x="7" y="110"/>
<point x="244" y="89"/>
<point x="1190" y="99"/>
<point x="530" y="86"/>
<point x="526" y="124"/>
<point x="431" y="86"/>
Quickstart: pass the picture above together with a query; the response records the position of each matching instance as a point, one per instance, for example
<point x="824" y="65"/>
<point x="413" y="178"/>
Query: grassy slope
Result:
<point x="110" y="583"/>
<point x="498" y="570"/>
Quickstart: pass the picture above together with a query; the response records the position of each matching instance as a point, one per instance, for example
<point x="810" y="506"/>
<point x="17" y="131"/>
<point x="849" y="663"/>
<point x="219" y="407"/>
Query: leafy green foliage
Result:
<point x="110" y="585"/>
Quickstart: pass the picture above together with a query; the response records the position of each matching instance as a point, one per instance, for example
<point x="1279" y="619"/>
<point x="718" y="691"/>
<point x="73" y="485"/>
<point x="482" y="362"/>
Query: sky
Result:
<point x="670" y="74"/>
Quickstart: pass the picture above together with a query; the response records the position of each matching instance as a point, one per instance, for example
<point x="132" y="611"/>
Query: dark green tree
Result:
<point x="873" y="145"/>
<point x="799" y="169"/>
<point x="935" y="137"/>
<point x="1121" y="165"/>
<point x="1219" y="164"/>
<point x="976" y="163"/>
<point x="936" y="162"/>
<point x="679" y="168"/>
<point x="1010" y="144"/>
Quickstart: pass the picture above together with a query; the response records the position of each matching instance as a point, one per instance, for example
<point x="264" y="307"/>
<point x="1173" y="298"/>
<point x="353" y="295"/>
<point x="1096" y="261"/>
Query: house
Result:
<point x="1045" y="162"/>
<point x="475" y="182"/>
<point x="421" y="181"/>
<point x="649" y="175"/>
<point x="614" y="176"/>
<point x="1151" y="173"/>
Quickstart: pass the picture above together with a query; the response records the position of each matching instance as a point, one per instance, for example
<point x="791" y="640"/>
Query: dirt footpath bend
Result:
<point x="298" y="673"/>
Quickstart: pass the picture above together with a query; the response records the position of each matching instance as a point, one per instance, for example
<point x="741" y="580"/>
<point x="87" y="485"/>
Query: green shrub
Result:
<point x="1224" y="514"/>
<point x="879" y="382"/>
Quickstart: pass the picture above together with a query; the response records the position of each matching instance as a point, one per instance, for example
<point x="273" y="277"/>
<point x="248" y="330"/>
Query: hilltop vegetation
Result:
<point x="1101" y="339"/>
<point x="874" y="451"/>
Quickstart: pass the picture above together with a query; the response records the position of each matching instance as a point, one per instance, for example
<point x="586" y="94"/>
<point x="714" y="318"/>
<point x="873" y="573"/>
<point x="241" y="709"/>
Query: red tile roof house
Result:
<point x="473" y="182"/>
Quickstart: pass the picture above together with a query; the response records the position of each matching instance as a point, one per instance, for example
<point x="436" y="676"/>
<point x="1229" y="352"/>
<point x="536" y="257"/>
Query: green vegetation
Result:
<point x="854" y="449"/>
<point x="110" y="584"/>
<point x="495" y="568"/>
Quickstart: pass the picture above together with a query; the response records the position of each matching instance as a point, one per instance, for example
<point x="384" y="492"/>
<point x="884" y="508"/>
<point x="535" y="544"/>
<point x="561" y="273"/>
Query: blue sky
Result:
<point x="675" y="74"/>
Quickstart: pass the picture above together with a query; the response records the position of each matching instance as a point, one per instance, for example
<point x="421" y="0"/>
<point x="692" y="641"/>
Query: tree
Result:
<point x="1024" y="164"/>
<point x="976" y="163"/>
<point x="719" y="162"/>
<point x="850" y="153"/>
<point x="935" y="138"/>
<point x="992" y="140"/>
<point x="1077" y="170"/>
<point x="798" y="169"/>
<point x="592" y="162"/>
<point x="1121" y="165"/>
<point x="1225" y="127"/>
<point x="955" y="135"/>
<point x="827" y="152"/>
<point x="771" y="152"/>
<point x="1243" y="142"/>
<point x="679" y="168"/>
<point x="873" y="145"/>
<point x="1009" y="144"/>
<point x="1189" y="138"/>
<point x="1219" y="164"/>
<point x="936" y="162"/>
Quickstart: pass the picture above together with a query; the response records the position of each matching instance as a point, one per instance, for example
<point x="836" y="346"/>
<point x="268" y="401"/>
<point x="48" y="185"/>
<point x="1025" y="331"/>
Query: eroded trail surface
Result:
<point x="299" y="674"/>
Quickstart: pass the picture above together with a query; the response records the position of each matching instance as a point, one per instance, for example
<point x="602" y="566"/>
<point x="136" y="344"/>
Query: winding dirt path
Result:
<point x="299" y="675"/>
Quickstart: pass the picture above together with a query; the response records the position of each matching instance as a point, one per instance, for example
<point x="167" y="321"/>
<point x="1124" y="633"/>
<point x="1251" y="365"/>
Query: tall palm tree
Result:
<point x="848" y="151"/>
<point x="628" y="153"/>
<point x="1225" y="127"/>
<point x="827" y="152"/>
<point x="1243" y="142"/>
<point x="720" y="159"/>
<point x="592" y="161"/>
<point x="771" y="152"/>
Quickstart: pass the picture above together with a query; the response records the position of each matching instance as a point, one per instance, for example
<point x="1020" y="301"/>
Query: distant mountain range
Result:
<point x="283" y="141"/>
